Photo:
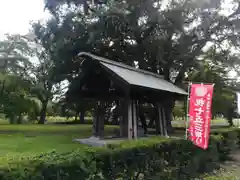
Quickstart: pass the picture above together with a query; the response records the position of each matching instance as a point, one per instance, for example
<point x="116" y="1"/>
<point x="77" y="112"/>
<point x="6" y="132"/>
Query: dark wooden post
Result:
<point x="161" y="125"/>
<point x="134" y="118"/>
<point x="164" y="122"/>
<point x="101" y="120"/>
<point x="95" y="127"/>
<point x="130" y="121"/>
<point x="98" y="120"/>
<point x="158" y="119"/>
<point x="124" y="119"/>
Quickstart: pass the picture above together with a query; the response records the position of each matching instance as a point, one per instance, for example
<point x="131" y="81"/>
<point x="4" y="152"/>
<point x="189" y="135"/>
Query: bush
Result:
<point x="169" y="158"/>
<point x="166" y="158"/>
<point x="229" y="140"/>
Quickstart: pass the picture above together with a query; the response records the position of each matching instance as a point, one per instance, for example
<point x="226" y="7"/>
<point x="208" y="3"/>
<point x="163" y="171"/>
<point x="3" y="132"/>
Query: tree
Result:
<point x="44" y="86"/>
<point x="43" y="79"/>
<point x="163" y="38"/>
<point x="224" y="96"/>
<point x="168" y="31"/>
<point x="14" y="55"/>
<point x="77" y="104"/>
<point x="15" y="99"/>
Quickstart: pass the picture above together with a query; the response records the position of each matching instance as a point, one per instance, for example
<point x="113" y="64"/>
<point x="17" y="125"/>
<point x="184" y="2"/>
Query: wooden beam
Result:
<point x="164" y="123"/>
<point x="95" y="127"/>
<point x="101" y="120"/>
<point x="160" y="118"/>
<point x="130" y="128"/>
<point x="157" y="121"/>
<point x="124" y="119"/>
<point x="135" y="124"/>
<point x="98" y="120"/>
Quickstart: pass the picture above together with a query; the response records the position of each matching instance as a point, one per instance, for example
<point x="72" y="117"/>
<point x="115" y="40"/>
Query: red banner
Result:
<point x="200" y="115"/>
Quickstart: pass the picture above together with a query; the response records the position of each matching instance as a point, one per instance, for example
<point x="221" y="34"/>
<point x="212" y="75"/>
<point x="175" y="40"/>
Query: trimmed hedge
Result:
<point x="166" y="158"/>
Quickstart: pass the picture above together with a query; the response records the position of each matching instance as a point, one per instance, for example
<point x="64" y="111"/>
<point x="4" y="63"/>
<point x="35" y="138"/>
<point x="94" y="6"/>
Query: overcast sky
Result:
<point x="15" y="15"/>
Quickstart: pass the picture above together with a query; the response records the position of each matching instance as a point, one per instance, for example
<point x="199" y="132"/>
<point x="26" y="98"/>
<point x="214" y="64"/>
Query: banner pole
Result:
<point x="187" y="118"/>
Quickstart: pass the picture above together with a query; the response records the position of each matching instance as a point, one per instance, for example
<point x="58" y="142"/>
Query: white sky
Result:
<point x="16" y="15"/>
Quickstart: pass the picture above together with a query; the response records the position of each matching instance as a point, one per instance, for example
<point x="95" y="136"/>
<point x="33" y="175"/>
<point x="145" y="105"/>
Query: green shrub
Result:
<point x="166" y="158"/>
<point x="237" y="130"/>
<point x="51" y="166"/>
<point x="229" y="141"/>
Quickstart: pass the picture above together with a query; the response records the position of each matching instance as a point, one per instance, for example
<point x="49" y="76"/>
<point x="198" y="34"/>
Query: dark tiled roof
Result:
<point x="136" y="76"/>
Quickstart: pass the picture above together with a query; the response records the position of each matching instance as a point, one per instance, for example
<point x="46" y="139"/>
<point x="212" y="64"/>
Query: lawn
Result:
<point x="30" y="138"/>
<point x="34" y="139"/>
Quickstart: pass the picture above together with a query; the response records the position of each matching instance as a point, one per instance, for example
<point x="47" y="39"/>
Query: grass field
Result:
<point x="34" y="139"/>
<point x="29" y="139"/>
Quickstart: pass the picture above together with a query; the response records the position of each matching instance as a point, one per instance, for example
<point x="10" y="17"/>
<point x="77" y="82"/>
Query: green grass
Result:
<point x="23" y="140"/>
<point x="31" y="139"/>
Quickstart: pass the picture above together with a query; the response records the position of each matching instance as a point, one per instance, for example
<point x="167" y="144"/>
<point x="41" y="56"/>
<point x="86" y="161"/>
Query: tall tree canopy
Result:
<point x="166" y="37"/>
<point x="15" y="98"/>
<point x="44" y="86"/>
<point x="14" y="55"/>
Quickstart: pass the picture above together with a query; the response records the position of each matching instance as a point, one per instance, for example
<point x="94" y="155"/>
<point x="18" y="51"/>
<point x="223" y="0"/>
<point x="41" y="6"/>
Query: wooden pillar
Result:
<point x="124" y="120"/>
<point x="121" y="120"/>
<point x="98" y="120"/>
<point x="121" y="126"/>
<point x="158" y="120"/>
<point x="128" y="122"/>
<point x="134" y="118"/>
<point x="130" y="127"/>
<point x="95" y="127"/>
<point x="101" y="120"/>
<point x="164" y="122"/>
<point x="161" y="124"/>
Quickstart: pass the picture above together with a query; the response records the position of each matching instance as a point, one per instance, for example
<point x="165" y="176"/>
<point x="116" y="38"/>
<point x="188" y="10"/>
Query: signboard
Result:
<point x="200" y="114"/>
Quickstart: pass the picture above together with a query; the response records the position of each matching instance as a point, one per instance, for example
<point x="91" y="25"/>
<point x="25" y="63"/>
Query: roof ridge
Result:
<point x="106" y="60"/>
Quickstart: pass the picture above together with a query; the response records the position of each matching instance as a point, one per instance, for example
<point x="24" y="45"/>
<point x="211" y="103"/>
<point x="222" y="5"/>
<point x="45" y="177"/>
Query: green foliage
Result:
<point x="224" y="95"/>
<point x="15" y="99"/>
<point x="14" y="53"/>
<point x="178" y="110"/>
<point x="159" y="36"/>
<point x="229" y="141"/>
<point x="168" y="158"/>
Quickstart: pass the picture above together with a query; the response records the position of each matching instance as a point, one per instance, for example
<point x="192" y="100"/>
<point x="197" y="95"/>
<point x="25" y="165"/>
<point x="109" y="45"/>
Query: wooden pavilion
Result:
<point x="104" y="80"/>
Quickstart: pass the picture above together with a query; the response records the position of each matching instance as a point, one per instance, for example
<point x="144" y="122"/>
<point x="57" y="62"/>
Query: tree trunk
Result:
<point x="12" y="119"/>
<point x="143" y="122"/>
<point x="82" y="116"/>
<point x="19" y="120"/>
<point x="43" y="113"/>
<point x="142" y="118"/>
<point x="151" y="122"/>
<point x="153" y="118"/>
<point x="76" y="115"/>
